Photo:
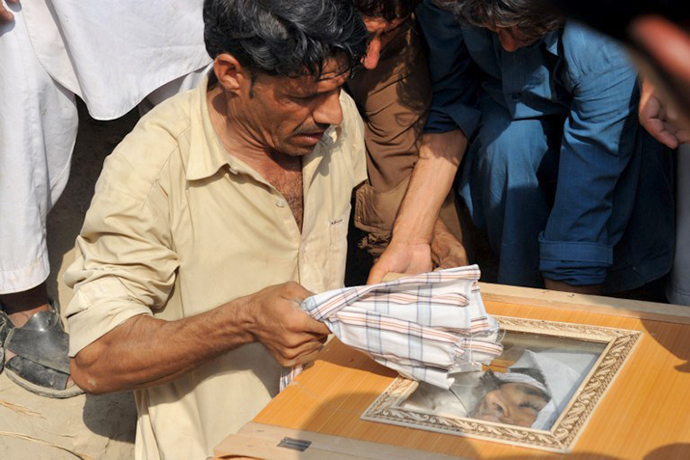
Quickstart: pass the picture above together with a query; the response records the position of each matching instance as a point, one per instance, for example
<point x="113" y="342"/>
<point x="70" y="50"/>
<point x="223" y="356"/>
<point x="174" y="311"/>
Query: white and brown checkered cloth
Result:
<point x="424" y="326"/>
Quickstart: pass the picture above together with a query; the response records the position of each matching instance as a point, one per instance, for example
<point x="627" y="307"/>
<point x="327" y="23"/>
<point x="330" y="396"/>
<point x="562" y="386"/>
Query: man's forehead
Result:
<point x="333" y="74"/>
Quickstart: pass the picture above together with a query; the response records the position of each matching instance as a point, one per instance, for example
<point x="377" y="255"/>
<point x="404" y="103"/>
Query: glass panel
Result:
<point x="529" y="385"/>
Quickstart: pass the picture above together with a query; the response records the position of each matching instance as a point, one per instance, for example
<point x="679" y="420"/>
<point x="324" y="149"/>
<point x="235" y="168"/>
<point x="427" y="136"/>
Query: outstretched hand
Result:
<point x="5" y="14"/>
<point x="406" y="258"/>
<point x="660" y="120"/>
<point x="277" y="321"/>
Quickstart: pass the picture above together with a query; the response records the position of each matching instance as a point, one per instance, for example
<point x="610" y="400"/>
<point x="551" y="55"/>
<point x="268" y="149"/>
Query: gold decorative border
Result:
<point x="569" y="425"/>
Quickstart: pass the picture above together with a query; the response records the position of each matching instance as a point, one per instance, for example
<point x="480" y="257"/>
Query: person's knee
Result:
<point x="516" y="150"/>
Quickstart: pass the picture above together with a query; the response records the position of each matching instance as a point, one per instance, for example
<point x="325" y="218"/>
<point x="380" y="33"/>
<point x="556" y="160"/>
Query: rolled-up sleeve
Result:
<point x="454" y="78"/>
<point x="123" y="266"/>
<point x="597" y="150"/>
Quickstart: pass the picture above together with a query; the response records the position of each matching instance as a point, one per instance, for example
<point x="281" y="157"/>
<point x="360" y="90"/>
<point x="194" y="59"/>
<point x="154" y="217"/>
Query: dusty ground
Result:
<point x="98" y="427"/>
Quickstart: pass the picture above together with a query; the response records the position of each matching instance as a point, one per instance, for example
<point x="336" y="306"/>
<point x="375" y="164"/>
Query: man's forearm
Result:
<point x="145" y="351"/>
<point x="439" y="157"/>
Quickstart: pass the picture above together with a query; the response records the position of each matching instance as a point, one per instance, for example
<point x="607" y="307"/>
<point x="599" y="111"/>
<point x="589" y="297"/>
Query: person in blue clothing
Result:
<point x="573" y="193"/>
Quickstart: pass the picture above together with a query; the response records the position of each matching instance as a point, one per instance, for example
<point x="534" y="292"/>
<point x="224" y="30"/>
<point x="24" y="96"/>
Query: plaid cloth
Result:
<point x="424" y="326"/>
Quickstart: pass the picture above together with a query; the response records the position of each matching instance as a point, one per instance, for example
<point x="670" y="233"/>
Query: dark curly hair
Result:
<point x="285" y="37"/>
<point x="387" y="9"/>
<point x="533" y="18"/>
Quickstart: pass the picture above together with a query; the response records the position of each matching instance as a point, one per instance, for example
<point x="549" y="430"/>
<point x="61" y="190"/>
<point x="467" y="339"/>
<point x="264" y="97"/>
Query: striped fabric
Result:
<point x="424" y="326"/>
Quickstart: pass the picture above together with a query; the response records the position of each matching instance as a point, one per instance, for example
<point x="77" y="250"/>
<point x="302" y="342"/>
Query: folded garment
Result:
<point x="423" y="326"/>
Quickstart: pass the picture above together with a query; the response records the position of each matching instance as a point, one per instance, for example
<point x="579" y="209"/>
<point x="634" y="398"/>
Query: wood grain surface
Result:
<point x="645" y="414"/>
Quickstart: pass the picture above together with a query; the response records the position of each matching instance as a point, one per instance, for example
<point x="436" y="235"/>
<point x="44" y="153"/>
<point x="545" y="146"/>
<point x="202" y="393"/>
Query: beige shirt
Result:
<point x="177" y="227"/>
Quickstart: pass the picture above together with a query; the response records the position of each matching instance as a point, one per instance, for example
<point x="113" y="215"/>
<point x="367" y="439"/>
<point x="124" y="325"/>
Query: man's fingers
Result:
<point x="307" y="358"/>
<point x="376" y="274"/>
<point x="668" y="139"/>
<point x="683" y="136"/>
<point x="316" y="327"/>
<point x="659" y="130"/>
<point x="5" y="15"/>
<point x="293" y="356"/>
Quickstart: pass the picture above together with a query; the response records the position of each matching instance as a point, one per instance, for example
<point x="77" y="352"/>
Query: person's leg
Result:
<point x="38" y="128"/>
<point x="509" y="170"/>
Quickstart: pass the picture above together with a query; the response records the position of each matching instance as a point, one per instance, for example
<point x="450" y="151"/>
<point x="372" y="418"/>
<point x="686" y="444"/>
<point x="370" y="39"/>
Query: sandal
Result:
<point x="41" y="361"/>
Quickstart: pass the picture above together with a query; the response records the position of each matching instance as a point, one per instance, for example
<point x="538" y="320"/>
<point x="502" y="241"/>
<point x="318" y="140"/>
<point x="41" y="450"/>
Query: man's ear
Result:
<point x="230" y="73"/>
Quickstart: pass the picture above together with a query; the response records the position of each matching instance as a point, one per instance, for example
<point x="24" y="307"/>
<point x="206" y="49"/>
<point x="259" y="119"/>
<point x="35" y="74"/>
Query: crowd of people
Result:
<point x="266" y="123"/>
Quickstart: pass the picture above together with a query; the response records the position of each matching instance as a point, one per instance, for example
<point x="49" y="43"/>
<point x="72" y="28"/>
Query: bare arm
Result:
<point x="145" y="351"/>
<point x="409" y="250"/>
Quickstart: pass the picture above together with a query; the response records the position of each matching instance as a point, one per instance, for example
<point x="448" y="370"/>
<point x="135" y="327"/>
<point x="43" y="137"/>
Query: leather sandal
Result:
<point x="41" y="361"/>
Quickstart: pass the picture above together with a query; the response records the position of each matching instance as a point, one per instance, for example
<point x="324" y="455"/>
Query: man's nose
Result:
<point x="329" y="111"/>
<point x="371" y="60"/>
<point x="508" y="42"/>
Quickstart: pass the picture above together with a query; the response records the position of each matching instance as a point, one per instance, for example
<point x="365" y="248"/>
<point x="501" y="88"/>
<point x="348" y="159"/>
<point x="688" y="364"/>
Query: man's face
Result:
<point x="289" y="115"/>
<point x="511" y="403"/>
<point x="511" y="38"/>
<point x="382" y="32"/>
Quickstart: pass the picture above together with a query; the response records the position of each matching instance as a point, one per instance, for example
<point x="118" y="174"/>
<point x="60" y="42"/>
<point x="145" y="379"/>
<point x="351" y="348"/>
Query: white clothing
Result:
<point x="38" y="128"/>
<point x="112" y="55"/>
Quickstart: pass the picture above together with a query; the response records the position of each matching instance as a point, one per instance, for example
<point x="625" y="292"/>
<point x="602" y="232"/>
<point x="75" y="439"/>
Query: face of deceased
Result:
<point x="512" y="404"/>
<point x="289" y="115"/>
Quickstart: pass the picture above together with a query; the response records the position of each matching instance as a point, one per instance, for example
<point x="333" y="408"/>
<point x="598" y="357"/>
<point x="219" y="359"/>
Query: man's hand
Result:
<point x="446" y="250"/>
<point x="408" y="259"/>
<point x="659" y="120"/>
<point x="276" y="320"/>
<point x="5" y="14"/>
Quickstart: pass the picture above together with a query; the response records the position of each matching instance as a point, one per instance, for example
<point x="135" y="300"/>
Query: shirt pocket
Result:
<point x="337" y="251"/>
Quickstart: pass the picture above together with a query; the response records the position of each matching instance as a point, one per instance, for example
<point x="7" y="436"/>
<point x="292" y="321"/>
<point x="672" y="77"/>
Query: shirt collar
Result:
<point x="206" y="155"/>
<point x="551" y="40"/>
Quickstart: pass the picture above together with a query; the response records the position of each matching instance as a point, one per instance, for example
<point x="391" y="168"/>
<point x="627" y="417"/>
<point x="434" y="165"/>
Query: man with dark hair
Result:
<point x="657" y="33"/>
<point x="572" y="193"/>
<point x="217" y="197"/>
<point x="393" y="94"/>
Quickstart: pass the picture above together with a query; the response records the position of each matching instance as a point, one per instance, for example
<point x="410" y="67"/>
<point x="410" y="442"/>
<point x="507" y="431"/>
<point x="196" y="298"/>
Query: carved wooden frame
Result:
<point x="565" y="430"/>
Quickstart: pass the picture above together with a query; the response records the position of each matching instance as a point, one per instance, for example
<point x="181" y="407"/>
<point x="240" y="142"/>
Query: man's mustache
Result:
<point x="310" y="129"/>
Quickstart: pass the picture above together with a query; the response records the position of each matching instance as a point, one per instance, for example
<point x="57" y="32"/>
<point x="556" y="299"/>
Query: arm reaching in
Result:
<point x="145" y="351"/>
<point x="410" y="249"/>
